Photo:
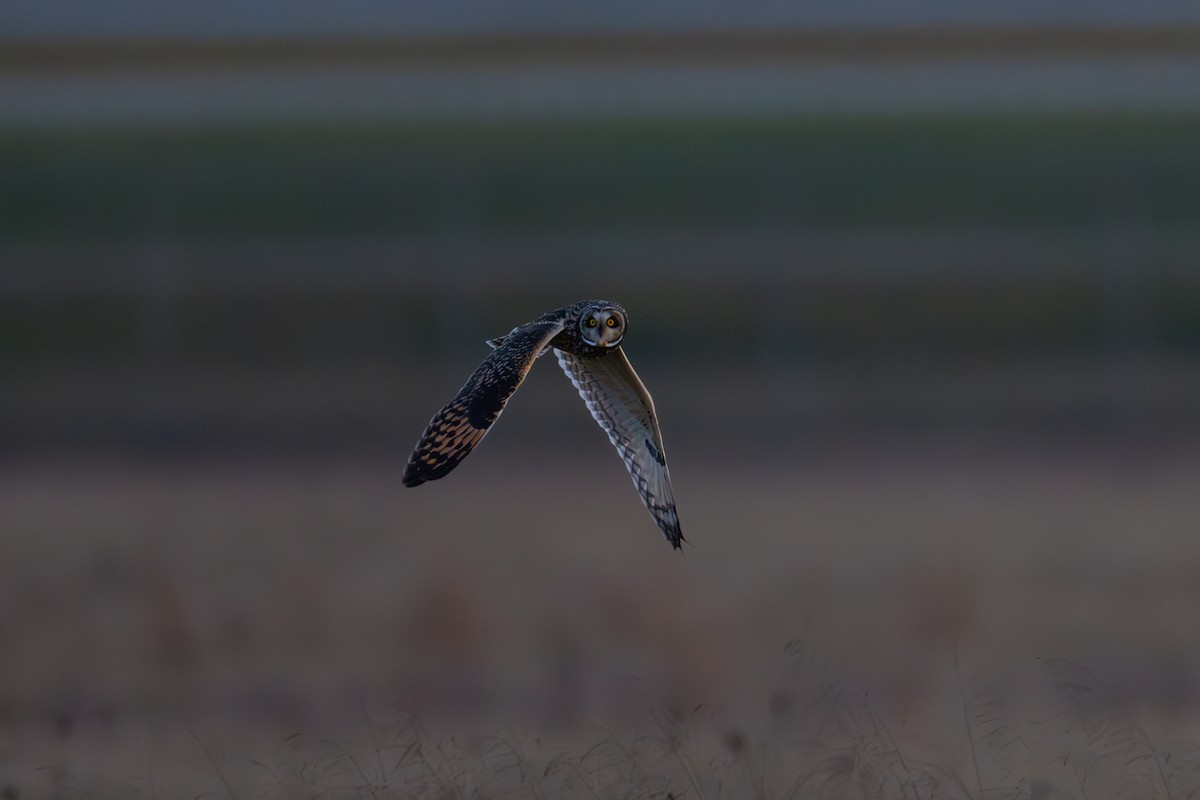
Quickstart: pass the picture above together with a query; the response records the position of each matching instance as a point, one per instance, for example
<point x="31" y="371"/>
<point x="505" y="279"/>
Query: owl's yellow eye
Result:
<point x="612" y="322"/>
<point x="592" y="322"/>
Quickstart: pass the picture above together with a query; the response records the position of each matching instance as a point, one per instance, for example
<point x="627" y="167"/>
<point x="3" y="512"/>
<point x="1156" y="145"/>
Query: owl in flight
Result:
<point x="586" y="338"/>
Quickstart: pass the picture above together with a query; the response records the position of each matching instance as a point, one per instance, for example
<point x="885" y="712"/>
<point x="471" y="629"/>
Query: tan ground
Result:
<point x="906" y="620"/>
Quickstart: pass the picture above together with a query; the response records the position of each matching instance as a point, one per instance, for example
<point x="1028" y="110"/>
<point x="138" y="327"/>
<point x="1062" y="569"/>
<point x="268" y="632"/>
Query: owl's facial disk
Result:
<point x="602" y="327"/>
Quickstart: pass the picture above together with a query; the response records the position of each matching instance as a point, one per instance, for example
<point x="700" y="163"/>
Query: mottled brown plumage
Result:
<point x="586" y="338"/>
<point x="455" y="430"/>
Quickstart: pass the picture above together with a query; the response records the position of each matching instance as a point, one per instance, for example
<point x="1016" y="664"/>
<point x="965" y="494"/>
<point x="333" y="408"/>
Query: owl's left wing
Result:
<point x="622" y="407"/>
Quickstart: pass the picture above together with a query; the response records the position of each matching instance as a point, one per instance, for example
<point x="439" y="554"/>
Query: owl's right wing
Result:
<point x="455" y="430"/>
<point x="624" y="410"/>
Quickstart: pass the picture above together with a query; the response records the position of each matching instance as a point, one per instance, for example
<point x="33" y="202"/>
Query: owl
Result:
<point x="586" y="338"/>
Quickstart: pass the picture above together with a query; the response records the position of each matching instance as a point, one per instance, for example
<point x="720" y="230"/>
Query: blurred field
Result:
<point x="153" y="611"/>
<point x="919" y="305"/>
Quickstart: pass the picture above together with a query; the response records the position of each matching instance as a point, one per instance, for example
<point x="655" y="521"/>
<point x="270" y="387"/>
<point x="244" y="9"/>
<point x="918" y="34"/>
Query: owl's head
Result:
<point x="602" y="324"/>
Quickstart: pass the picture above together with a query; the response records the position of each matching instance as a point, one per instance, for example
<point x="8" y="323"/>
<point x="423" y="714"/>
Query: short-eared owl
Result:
<point x="586" y="337"/>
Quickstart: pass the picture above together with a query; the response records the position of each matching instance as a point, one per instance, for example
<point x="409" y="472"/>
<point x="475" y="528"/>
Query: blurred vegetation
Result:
<point x="177" y="279"/>
<point x="1041" y="171"/>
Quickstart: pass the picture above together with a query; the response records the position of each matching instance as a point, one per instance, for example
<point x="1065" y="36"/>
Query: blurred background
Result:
<point x="917" y="292"/>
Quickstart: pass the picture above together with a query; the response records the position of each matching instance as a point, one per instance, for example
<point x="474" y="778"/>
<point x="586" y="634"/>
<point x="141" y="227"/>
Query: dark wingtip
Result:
<point x="675" y="537"/>
<point x="418" y="472"/>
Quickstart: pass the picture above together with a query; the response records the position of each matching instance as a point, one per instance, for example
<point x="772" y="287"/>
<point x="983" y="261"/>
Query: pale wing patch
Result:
<point x="623" y="409"/>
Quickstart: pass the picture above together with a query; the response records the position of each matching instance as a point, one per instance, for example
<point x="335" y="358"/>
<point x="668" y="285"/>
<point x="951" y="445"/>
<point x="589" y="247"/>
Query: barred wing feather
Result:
<point x="455" y="430"/>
